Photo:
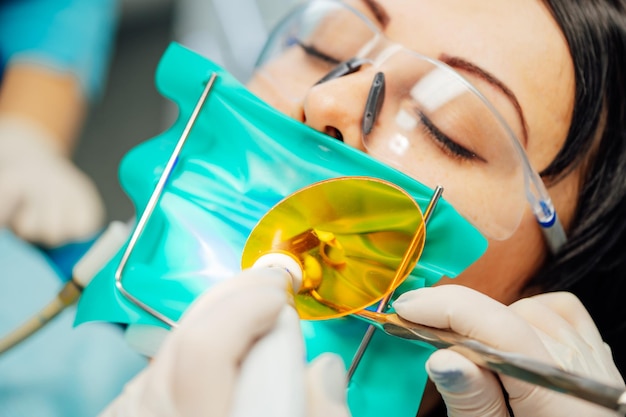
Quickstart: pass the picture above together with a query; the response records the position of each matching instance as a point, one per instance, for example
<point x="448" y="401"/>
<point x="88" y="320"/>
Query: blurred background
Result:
<point x="131" y="111"/>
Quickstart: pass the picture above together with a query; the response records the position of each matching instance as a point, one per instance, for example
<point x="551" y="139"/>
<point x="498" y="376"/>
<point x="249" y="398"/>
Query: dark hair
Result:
<point x="592" y="264"/>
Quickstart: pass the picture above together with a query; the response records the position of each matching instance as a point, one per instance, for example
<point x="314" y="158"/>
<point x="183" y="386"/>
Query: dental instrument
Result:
<point x="382" y="306"/>
<point x="507" y="363"/>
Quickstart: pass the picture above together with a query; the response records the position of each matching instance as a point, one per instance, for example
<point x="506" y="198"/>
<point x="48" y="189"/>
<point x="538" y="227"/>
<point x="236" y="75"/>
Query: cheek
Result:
<point x="266" y="90"/>
<point x="506" y="265"/>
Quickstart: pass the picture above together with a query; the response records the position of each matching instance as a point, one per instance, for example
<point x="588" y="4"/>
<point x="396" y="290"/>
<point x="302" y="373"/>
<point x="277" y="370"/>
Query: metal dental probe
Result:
<point x="382" y="306"/>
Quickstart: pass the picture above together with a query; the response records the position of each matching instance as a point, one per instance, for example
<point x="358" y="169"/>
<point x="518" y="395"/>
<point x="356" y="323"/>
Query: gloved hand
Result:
<point x="44" y="198"/>
<point x="553" y="327"/>
<point x="198" y="370"/>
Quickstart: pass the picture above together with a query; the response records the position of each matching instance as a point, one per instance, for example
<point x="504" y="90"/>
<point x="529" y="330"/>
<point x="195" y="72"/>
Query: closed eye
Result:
<point x="448" y="145"/>
<point x="314" y="52"/>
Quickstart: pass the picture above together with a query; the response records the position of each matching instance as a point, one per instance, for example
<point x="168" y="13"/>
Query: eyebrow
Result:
<point x="378" y="11"/>
<point x="464" y="65"/>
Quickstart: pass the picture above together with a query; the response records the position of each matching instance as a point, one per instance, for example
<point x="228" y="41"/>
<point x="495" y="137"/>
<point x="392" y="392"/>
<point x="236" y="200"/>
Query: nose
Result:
<point x="336" y="107"/>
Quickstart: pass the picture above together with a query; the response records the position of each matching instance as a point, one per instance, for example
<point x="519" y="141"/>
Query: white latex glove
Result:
<point x="553" y="327"/>
<point x="44" y="198"/>
<point x="198" y="370"/>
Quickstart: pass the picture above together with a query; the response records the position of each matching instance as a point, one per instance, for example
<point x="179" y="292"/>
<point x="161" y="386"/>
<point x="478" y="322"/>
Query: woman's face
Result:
<point x="515" y="54"/>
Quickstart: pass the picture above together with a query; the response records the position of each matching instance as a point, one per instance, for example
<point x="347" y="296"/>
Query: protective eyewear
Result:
<point x="416" y="113"/>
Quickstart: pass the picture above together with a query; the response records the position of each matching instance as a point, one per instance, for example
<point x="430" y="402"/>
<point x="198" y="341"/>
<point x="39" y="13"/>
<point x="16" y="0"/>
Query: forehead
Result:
<point x="518" y="41"/>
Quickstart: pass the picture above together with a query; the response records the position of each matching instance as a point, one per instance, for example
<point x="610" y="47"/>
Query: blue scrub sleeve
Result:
<point x="63" y="35"/>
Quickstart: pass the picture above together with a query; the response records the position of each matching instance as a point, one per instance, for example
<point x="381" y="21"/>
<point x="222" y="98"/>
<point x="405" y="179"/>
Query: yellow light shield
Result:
<point x="356" y="238"/>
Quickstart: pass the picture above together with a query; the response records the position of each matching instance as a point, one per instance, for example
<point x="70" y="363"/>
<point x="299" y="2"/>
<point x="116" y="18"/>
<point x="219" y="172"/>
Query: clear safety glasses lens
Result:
<point x="430" y="122"/>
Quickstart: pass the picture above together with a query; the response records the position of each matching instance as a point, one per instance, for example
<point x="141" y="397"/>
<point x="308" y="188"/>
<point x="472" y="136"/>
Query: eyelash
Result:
<point x="314" y="52"/>
<point x="449" y="146"/>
